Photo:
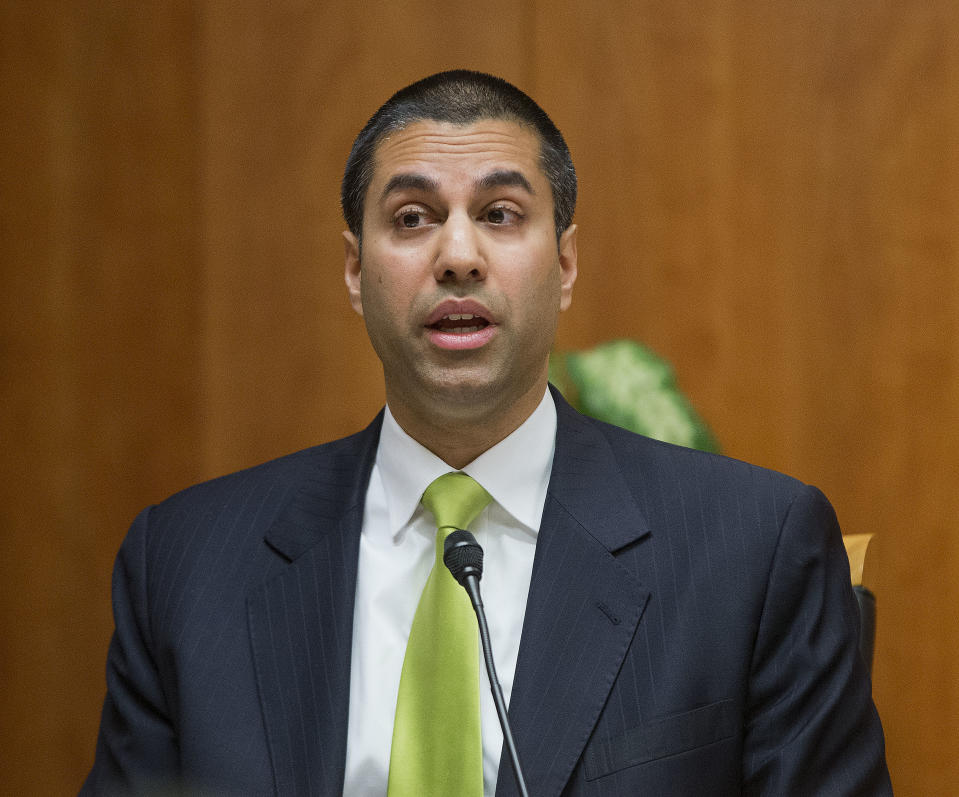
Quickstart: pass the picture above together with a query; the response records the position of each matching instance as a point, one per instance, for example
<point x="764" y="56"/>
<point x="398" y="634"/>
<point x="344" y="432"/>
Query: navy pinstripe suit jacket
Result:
<point x="690" y="629"/>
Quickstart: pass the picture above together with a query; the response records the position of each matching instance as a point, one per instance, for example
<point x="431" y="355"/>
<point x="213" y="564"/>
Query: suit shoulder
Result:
<point x="289" y="468"/>
<point x="252" y="497"/>
<point x="654" y="460"/>
<point x="721" y="509"/>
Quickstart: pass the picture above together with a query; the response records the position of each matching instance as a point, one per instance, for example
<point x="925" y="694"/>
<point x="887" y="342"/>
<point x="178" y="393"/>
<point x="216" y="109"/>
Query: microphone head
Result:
<point x="463" y="555"/>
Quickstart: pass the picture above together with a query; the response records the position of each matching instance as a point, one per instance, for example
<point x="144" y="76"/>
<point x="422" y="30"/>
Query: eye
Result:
<point x="409" y="218"/>
<point x="501" y="215"/>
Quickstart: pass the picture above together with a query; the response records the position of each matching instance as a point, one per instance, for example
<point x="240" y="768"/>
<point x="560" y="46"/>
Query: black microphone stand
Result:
<point x="463" y="555"/>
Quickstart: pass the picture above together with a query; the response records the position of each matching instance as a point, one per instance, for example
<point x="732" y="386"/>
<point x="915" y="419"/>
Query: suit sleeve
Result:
<point x="811" y="727"/>
<point x="137" y="746"/>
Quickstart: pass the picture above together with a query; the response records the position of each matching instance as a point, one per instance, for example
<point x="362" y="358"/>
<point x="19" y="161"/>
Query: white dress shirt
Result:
<point x="397" y="548"/>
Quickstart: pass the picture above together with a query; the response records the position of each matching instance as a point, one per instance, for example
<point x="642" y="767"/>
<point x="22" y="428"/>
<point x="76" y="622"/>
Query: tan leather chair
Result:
<point x="856" y="545"/>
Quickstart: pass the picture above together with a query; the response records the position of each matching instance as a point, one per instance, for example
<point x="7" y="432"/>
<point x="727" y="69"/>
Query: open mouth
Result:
<point x="460" y="323"/>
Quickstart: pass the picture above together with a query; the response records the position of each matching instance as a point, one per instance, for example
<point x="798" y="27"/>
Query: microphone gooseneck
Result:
<point x="463" y="555"/>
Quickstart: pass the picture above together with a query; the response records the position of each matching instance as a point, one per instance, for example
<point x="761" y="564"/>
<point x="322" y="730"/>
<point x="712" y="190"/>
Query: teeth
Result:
<point x="460" y="316"/>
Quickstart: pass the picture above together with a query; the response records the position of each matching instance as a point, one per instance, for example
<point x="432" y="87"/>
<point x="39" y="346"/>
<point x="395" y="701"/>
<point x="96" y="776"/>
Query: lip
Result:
<point x="449" y="306"/>
<point x="460" y="341"/>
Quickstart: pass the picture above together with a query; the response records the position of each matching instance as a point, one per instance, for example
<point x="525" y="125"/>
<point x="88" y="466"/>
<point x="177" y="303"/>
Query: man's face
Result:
<point x="461" y="280"/>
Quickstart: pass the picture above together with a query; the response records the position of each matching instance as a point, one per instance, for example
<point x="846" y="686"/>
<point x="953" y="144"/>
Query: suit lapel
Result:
<point x="582" y="611"/>
<point x="301" y="621"/>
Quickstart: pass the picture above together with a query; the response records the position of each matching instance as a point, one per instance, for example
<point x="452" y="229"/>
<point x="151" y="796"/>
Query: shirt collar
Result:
<point x="515" y="472"/>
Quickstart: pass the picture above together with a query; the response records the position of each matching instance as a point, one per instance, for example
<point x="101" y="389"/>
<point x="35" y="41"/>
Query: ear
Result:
<point x="351" y="251"/>
<point x="567" y="265"/>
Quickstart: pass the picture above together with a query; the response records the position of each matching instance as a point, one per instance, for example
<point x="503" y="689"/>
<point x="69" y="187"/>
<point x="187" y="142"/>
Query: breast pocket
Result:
<point x="678" y="733"/>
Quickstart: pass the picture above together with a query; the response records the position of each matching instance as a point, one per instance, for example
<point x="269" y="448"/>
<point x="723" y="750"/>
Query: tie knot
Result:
<point x="455" y="500"/>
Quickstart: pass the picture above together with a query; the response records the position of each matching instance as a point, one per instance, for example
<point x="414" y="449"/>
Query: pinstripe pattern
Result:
<point x="229" y="668"/>
<point x="681" y="609"/>
<point x="689" y="630"/>
<point x="301" y="629"/>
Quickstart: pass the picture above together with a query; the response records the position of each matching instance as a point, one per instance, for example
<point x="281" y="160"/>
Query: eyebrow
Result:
<point x="409" y="182"/>
<point x="509" y="178"/>
<point x="419" y="182"/>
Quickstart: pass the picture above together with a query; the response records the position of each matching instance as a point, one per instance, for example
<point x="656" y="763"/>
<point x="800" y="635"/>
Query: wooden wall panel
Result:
<point x="768" y="197"/>
<point x="770" y="200"/>
<point x="99" y="355"/>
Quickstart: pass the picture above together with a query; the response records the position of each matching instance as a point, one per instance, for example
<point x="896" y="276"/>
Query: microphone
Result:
<point x="463" y="555"/>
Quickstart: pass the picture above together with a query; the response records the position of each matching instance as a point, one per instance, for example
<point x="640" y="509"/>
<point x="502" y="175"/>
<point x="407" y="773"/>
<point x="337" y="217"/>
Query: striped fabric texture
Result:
<point x="690" y="629"/>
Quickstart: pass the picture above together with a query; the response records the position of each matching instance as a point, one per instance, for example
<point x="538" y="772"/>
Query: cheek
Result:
<point x="538" y="282"/>
<point x="387" y="289"/>
<point x="388" y="265"/>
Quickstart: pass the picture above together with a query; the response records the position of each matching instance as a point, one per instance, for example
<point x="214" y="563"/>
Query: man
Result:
<point x="665" y="621"/>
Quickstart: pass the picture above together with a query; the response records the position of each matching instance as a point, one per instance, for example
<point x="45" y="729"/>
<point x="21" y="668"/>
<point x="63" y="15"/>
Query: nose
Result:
<point x="460" y="256"/>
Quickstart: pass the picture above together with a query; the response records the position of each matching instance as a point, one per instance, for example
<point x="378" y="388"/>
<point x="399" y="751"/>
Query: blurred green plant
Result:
<point x="624" y="383"/>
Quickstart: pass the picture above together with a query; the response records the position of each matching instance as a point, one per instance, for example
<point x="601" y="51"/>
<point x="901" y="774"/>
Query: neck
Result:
<point x="460" y="437"/>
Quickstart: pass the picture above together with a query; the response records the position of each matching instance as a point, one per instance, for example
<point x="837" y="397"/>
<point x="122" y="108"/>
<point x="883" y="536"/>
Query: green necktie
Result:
<point x="437" y="746"/>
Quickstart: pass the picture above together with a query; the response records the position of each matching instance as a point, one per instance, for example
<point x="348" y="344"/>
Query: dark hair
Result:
<point x="461" y="97"/>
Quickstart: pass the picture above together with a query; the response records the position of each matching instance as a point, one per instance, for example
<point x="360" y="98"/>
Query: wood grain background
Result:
<point x="769" y="198"/>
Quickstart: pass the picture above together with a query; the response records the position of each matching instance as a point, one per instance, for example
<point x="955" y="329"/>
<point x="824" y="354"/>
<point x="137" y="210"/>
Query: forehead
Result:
<point x="449" y="150"/>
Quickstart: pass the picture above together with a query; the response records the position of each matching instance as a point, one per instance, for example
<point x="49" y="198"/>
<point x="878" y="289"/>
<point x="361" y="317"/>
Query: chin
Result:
<point x="463" y="391"/>
<point x="473" y="393"/>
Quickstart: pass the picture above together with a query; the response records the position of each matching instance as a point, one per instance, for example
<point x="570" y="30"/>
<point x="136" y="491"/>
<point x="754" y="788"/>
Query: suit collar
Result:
<point x="581" y="615"/>
<point x="582" y="611"/>
<point x="334" y="487"/>
<point x="588" y="482"/>
<point x="301" y="621"/>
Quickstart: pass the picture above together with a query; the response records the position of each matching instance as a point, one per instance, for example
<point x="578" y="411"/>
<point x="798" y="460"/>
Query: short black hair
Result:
<point x="460" y="97"/>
